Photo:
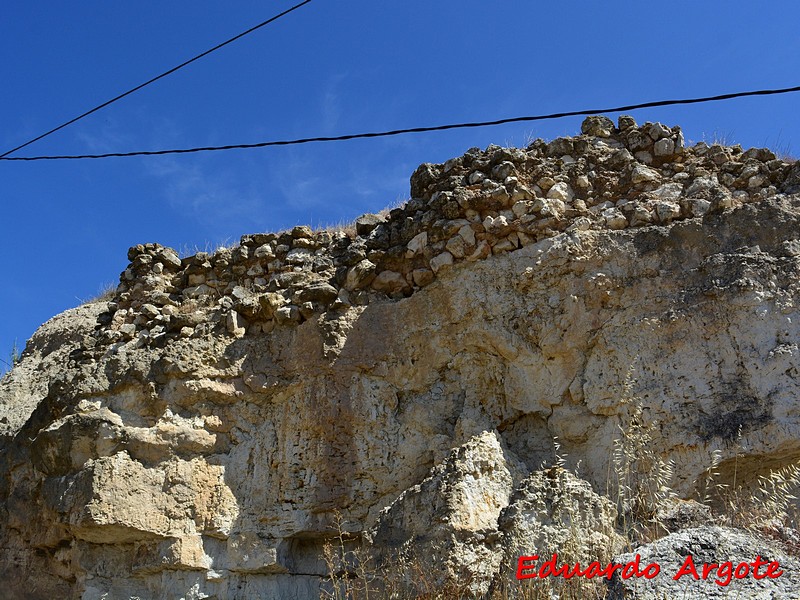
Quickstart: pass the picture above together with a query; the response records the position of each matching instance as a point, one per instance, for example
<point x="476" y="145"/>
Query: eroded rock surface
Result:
<point x="685" y="554"/>
<point x="196" y="436"/>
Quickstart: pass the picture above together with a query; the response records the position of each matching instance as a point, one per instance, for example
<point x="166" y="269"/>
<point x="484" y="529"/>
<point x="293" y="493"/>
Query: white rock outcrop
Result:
<point x="156" y="453"/>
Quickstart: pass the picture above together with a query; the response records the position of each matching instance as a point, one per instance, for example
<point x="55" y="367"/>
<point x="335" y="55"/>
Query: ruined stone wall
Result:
<point x="481" y="204"/>
<point x="201" y="434"/>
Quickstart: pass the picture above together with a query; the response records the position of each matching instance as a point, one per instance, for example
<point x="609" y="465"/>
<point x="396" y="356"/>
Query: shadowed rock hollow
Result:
<point x="196" y="436"/>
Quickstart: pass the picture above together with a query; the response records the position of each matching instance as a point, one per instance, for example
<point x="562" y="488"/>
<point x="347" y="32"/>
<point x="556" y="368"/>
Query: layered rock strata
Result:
<point x="202" y="434"/>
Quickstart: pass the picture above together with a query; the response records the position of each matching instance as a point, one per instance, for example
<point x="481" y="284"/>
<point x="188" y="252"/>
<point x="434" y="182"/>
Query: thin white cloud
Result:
<point x="210" y="196"/>
<point x="318" y="187"/>
<point x="107" y="136"/>
<point x="331" y="107"/>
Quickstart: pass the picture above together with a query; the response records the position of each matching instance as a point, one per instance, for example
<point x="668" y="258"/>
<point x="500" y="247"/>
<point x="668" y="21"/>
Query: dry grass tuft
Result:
<point x="640" y="484"/>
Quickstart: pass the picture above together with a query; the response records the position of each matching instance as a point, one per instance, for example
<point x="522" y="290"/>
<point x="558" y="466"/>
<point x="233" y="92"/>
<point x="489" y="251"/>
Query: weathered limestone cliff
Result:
<point x="199" y="435"/>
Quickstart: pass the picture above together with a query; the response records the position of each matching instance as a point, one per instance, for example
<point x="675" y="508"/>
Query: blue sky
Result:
<point x="329" y="68"/>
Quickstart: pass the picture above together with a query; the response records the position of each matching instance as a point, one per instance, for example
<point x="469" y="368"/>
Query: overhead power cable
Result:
<point x="355" y="136"/>
<point x="156" y="78"/>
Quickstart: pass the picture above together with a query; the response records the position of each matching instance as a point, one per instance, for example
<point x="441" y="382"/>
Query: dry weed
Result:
<point x="640" y="484"/>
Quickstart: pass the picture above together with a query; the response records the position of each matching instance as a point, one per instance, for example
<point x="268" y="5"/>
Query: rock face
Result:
<point x="711" y="546"/>
<point x="197" y="436"/>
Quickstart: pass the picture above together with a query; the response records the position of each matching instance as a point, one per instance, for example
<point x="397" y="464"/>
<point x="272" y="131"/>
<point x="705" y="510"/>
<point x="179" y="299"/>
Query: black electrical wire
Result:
<point x="154" y="79"/>
<point x="354" y="136"/>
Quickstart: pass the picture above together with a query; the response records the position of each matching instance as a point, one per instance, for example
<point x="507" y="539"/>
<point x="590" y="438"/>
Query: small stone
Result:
<point x="698" y="207"/>
<point x="749" y="170"/>
<point x="304" y="243"/>
<point x="522" y="192"/>
<point x="641" y="216"/>
<point x="150" y="311"/>
<point x="482" y="251"/>
<point x="307" y="309"/>
<point x="476" y="177"/>
<point x="658" y="131"/>
<point x="664" y="147"/>
<point x="318" y="291"/>
<point x="456" y="246"/>
<point x="614" y="219"/>
<point x="700" y="186"/>
<point x="236" y="324"/>
<point x="508" y="215"/>
<point x="560" y="147"/>
<point x="757" y="181"/>
<point x="170" y="258"/>
<point x="299" y="256"/>
<point x="643" y="174"/>
<point x="417" y="244"/>
<point x="580" y="224"/>
<point x="441" y="261"/>
<point x="552" y="207"/>
<point x="625" y="122"/>
<point x="503" y="170"/>
<point x="264" y="251"/>
<point x="545" y="183"/>
<point x="499" y="194"/>
<point x="302" y="231"/>
<point x="679" y="141"/>
<point x="619" y="159"/>
<point x="288" y="314"/>
<point x="270" y="303"/>
<point x="741" y="196"/>
<point x="495" y="226"/>
<point x="504" y="245"/>
<point x="360" y="275"/>
<point x="668" y="191"/>
<point x="422" y="277"/>
<point x="366" y="223"/>
<point x="598" y="126"/>
<point x="636" y="140"/>
<point x="521" y="208"/>
<point x="644" y="157"/>
<point x="762" y="154"/>
<point x="451" y="164"/>
<point x="468" y="234"/>
<point x="667" y="211"/>
<point x="561" y="191"/>
<point x="241" y="253"/>
<point x="390" y="283"/>
<point x="142" y="338"/>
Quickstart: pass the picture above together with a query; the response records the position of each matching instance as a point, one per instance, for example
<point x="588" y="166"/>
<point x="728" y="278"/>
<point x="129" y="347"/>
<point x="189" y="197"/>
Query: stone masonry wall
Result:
<point x="480" y="204"/>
